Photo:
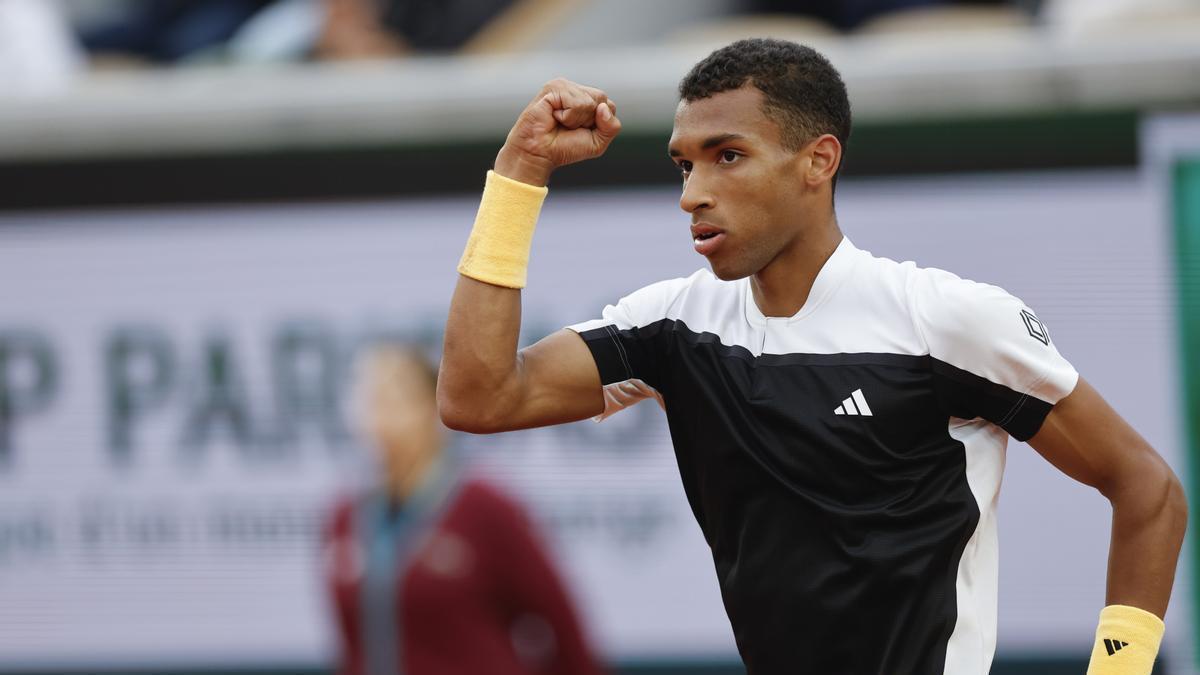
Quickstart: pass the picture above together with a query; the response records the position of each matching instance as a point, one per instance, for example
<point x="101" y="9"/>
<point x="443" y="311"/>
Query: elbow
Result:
<point x="465" y="413"/>
<point x="1156" y="494"/>
<point x="1174" y="503"/>
<point x="1177" y="503"/>
<point x="1174" y="510"/>
<point x="456" y="413"/>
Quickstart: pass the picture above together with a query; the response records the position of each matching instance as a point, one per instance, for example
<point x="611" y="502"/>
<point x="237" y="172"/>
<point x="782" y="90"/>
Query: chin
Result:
<point x="727" y="272"/>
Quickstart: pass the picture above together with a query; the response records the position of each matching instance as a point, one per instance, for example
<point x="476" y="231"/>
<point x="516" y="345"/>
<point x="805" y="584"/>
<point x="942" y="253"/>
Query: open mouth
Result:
<point x="706" y="241"/>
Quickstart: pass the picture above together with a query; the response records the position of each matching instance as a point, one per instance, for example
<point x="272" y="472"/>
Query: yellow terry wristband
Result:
<point x="498" y="249"/>
<point x="1126" y="642"/>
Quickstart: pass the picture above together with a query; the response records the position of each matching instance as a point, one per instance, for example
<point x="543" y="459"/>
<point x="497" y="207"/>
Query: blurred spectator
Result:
<point x="38" y="54"/>
<point x="848" y="15"/>
<point x="433" y="572"/>
<point x="167" y="31"/>
<point x="286" y="30"/>
<point x="378" y="28"/>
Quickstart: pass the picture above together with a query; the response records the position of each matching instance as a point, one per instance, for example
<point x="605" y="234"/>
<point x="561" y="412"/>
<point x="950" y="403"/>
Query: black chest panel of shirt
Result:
<point x="836" y="537"/>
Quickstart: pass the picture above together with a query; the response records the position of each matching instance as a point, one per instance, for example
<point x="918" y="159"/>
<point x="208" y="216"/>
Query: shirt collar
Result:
<point x="836" y="270"/>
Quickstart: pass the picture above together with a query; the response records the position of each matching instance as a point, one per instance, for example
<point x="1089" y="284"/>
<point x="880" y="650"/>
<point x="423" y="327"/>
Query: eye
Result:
<point x="685" y="167"/>
<point x="730" y="156"/>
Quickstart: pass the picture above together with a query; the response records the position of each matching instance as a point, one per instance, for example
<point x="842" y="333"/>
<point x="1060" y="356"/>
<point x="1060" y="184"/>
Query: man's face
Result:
<point x="742" y="187"/>
<point x="395" y="410"/>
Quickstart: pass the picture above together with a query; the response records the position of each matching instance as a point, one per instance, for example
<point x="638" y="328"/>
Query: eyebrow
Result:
<point x="710" y="142"/>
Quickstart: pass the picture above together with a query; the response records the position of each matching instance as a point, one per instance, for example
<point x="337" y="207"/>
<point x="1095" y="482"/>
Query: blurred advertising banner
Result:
<point x="1171" y="151"/>
<point x="173" y="420"/>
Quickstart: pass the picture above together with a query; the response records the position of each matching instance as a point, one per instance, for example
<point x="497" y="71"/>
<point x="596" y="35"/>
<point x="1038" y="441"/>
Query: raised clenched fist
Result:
<point x="565" y="123"/>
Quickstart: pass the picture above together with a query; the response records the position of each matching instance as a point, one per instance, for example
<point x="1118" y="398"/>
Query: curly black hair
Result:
<point x="803" y="93"/>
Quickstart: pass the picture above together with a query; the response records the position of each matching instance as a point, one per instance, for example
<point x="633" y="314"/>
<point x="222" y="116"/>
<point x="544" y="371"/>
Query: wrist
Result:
<point x="498" y="250"/>
<point x="523" y="167"/>
<point x="1127" y="642"/>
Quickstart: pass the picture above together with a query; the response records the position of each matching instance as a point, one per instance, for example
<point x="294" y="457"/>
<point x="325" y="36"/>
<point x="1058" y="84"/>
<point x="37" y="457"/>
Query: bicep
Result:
<point x="559" y="382"/>
<point x="1089" y="441"/>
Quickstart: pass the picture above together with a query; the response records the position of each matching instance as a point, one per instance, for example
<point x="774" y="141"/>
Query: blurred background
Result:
<point x="208" y="206"/>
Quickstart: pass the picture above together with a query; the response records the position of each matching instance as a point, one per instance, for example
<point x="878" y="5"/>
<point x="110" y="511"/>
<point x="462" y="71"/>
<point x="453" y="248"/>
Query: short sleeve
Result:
<point x="991" y="356"/>
<point x="627" y="344"/>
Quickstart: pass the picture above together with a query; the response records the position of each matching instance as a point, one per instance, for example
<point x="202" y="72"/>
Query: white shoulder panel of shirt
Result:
<point x="885" y="307"/>
<point x="985" y="330"/>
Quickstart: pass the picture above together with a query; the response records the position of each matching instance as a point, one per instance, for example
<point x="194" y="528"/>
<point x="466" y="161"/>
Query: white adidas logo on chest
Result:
<point x="855" y="404"/>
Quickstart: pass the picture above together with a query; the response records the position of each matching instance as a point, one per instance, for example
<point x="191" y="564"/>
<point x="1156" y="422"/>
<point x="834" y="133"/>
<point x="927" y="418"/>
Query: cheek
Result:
<point x="764" y="230"/>
<point x="743" y="202"/>
<point x="756" y="215"/>
<point x="779" y="206"/>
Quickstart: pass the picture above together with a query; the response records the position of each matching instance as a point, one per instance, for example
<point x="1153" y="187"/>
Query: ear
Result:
<point x="826" y="156"/>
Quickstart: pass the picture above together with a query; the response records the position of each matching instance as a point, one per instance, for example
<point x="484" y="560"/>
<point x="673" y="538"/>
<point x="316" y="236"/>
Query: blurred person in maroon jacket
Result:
<point x="433" y="572"/>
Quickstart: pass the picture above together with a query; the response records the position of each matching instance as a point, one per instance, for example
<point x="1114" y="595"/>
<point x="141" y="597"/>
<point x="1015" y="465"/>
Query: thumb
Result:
<point x="607" y="126"/>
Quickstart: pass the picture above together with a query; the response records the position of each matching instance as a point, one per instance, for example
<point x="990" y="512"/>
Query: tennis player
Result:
<point x="839" y="419"/>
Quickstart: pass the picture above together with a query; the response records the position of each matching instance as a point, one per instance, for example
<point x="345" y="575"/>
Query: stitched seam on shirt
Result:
<point x="612" y="333"/>
<point x="1012" y="414"/>
<point x="1015" y="409"/>
<point x="910" y="301"/>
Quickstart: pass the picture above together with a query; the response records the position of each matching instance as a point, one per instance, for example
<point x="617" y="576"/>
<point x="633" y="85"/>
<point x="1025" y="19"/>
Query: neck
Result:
<point x="782" y="287"/>
<point x="401" y="483"/>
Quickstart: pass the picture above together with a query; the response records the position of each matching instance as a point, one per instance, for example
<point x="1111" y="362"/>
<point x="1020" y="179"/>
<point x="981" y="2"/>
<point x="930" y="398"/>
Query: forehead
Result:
<point x="391" y="371"/>
<point x="738" y="111"/>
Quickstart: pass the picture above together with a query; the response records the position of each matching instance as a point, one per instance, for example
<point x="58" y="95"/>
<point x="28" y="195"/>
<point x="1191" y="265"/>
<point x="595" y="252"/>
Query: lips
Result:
<point x="707" y="238"/>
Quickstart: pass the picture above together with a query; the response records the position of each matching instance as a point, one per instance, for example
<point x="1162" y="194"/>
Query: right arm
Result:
<point x="486" y="385"/>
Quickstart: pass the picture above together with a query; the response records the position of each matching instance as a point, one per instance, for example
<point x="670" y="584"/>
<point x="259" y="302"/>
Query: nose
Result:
<point x="696" y="195"/>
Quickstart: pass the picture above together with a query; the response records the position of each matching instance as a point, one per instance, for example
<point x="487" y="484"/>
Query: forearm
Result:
<point x="1149" y="519"/>
<point x="485" y="385"/>
<point x="1085" y="438"/>
<point x="480" y="373"/>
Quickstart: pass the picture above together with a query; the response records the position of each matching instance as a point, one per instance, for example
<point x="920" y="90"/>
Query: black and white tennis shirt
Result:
<point x="844" y="463"/>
